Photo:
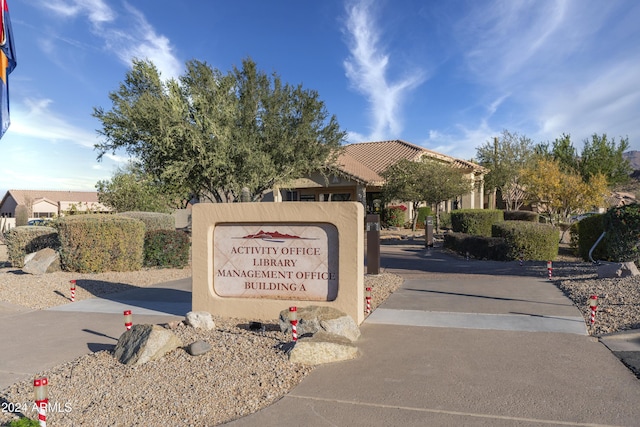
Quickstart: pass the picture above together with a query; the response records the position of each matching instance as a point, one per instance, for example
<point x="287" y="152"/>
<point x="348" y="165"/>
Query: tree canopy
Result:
<point x="429" y="181"/>
<point x="130" y="189"/>
<point x="558" y="193"/>
<point x="505" y="157"/>
<point x="211" y="134"/>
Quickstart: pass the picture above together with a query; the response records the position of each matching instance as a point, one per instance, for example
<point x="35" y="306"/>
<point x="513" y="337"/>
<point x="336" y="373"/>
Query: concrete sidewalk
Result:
<point x="36" y="340"/>
<point x="466" y="343"/>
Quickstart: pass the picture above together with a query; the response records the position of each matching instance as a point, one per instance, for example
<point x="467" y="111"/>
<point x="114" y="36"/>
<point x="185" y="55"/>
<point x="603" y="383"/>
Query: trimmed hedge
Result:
<point x="530" y="240"/>
<point x="622" y="225"/>
<point x="26" y="239"/>
<point x="584" y="234"/>
<point x="423" y="213"/>
<point x="521" y="216"/>
<point x="479" y="247"/>
<point x="477" y="222"/>
<point x="97" y="243"/>
<point x="166" y="248"/>
<point x="152" y="220"/>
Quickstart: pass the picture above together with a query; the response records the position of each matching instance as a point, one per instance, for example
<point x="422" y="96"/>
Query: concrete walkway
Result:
<point x="466" y="343"/>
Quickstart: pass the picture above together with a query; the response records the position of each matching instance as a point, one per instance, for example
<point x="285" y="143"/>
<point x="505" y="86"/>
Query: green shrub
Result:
<point x="22" y="215"/>
<point x="423" y="213"/>
<point x="24" y="422"/>
<point x="26" y="239"/>
<point x="521" y="216"/>
<point x="479" y="247"/>
<point x="530" y="240"/>
<point x="445" y="220"/>
<point x="622" y="227"/>
<point x="96" y="243"/>
<point x="166" y="248"/>
<point x="475" y="221"/>
<point x="152" y="220"/>
<point x="584" y="234"/>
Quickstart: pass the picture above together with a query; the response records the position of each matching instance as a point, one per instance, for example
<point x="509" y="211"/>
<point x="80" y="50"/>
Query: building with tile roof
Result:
<point x="358" y="176"/>
<point x="49" y="204"/>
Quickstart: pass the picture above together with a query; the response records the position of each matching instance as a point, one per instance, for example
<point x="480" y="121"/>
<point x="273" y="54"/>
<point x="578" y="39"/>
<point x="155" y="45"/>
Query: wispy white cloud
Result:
<point x="127" y="35"/>
<point x="97" y="10"/>
<point x="608" y="103"/>
<point x="141" y="41"/>
<point x="367" y="70"/>
<point x="35" y="118"/>
<point x="567" y="66"/>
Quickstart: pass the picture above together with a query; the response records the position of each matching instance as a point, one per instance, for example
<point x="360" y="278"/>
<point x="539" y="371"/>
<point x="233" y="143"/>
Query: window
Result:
<point x="336" y="197"/>
<point x="291" y="196"/>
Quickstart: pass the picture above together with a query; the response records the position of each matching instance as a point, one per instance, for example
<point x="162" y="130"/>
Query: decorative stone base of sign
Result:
<point x="253" y="260"/>
<point x="322" y="348"/>
<point x="314" y="319"/>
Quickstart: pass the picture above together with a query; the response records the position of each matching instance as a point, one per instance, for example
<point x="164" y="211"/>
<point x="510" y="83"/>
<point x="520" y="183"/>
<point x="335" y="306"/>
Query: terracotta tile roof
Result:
<point x="367" y="160"/>
<point x="20" y="196"/>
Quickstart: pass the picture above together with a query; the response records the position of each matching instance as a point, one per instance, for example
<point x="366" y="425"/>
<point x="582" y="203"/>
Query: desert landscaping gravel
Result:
<point x="244" y="372"/>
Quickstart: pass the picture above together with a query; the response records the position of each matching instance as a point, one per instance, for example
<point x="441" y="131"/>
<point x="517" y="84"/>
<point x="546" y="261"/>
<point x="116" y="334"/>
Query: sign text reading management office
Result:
<point x="277" y="261"/>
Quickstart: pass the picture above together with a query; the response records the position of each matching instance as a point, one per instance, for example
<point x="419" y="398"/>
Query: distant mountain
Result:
<point x="634" y="158"/>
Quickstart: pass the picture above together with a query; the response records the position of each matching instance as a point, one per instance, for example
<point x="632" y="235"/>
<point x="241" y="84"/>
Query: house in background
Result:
<point x="49" y="204"/>
<point x="359" y="176"/>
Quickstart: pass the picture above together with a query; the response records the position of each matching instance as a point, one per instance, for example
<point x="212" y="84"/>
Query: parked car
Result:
<point x="39" y="221"/>
<point x="577" y="218"/>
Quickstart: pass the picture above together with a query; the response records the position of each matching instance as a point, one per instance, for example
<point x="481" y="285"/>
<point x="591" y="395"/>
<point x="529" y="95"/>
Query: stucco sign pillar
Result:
<point x="252" y="260"/>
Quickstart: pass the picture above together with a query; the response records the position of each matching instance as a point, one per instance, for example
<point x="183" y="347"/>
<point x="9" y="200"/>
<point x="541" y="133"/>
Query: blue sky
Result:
<point x="446" y="75"/>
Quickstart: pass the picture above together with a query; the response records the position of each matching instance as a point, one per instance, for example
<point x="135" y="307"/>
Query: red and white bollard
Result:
<point x="293" y="319"/>
<point x="128" y="319"/>
<point x="549" y="268"/>
<point x="367" y="298"/>
<point x="73" y="290"/>
<point x="41" y="397"/>
<point x="593" y="305"/>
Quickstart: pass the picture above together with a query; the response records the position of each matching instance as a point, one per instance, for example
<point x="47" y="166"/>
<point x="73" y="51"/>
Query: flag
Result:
<point x="7" y="64"/>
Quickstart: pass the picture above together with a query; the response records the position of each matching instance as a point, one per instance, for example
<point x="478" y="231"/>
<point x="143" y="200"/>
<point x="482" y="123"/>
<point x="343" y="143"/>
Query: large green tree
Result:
<point x="601" y="155"/>
<point x="130" y="189"/>
<point x="402" y="182"/>
<point x="504" y="157"/>
<point x="429" y="181"/>
<point x="212" y="134"/>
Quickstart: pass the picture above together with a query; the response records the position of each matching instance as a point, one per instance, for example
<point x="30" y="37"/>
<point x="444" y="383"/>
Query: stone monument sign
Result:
<point x="252" y="260"/>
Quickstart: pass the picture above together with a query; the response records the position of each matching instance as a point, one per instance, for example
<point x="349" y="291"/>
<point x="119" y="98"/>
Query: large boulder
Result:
<point x="143" y="343"/>
<point x="44" y="261"/>
<point x="617" y="270"/>
<point x="200" y="319"/>
<point x="313" y="319"/>
<point x="322" y="348"/>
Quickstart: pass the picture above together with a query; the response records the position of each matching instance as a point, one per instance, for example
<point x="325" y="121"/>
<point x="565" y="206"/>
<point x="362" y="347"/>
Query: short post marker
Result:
<point x="549" y="268"/>
<point x="368" y="300"/>
<point x="521" y="259"/>
<point x="128" y="319"/>
<point x="41" y="397"/>
<point x="73" y="290"/>
<point x="593" y="305"/>
<point x="293" y="319"/>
